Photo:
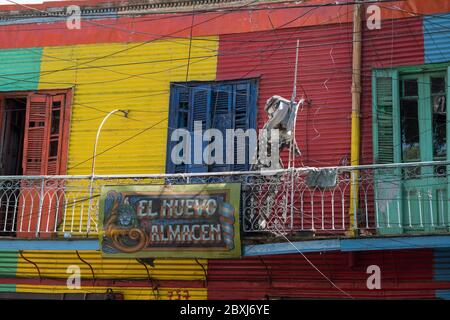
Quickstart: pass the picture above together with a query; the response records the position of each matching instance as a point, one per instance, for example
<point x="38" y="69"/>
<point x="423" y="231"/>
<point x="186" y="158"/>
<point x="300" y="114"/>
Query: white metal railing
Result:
<point x="393" y="198"/>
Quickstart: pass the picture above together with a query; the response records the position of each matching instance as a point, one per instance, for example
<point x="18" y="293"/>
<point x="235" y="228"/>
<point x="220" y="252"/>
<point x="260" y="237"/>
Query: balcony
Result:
<point x="372" y="200"/>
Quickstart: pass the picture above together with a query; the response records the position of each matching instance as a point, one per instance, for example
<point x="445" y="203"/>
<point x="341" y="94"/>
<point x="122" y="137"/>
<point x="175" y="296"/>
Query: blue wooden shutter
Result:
<point x="222" y="118"/>
<point x="200" y="103"/>
<point x="242" y="119"/>
<point x="178" y="118"/>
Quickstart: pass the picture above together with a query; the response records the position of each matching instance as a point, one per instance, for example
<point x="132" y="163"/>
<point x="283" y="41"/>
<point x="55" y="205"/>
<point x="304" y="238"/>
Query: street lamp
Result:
<point x="94" y="157"/>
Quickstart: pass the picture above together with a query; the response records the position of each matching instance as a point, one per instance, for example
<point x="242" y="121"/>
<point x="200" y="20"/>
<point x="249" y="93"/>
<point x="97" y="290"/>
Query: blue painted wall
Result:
<point x="436" y="34"/>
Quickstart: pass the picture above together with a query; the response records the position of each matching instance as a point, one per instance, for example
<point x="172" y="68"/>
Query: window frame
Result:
<point x="395" y="196"/>
<point x="397" y="75"/>
<point x="252" y="108"/>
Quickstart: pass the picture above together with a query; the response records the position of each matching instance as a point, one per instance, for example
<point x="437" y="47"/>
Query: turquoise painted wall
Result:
<point x="20" y="69"/>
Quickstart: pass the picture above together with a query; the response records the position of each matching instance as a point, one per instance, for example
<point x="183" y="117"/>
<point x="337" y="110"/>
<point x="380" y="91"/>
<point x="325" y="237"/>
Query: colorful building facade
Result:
<point x="58" y="84"/>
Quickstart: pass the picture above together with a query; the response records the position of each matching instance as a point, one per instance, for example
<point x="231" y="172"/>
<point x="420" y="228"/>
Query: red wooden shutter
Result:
<point x="44" y="133"/>
<point x="36" y="135"/>
<point x="46" y="127"/>
<point x="56" y="130"/>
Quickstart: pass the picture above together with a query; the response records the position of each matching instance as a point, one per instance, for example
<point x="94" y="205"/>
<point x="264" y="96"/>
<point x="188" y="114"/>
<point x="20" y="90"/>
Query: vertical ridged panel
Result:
<point x="436" y="32"/>
<point x="20" y="69"/>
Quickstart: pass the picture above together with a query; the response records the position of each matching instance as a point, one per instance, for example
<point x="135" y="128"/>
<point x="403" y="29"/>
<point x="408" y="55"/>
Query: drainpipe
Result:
<point x="356" y="107"/>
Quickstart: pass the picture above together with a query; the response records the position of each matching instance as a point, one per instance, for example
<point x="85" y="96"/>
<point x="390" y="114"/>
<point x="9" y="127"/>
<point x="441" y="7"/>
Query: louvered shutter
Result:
<point x="46" y="125"/>
<point x="200" y="103"/>
<point x="386" y="138"/>
<point x="36" y="134"/>
<point x="384" y="118"/>
<point x="178" y="119"/>
<point x="242" y="110"/>
<point x="222" y="119"/>
<point x="386" y="126"/>
<point x="55" y="134"/>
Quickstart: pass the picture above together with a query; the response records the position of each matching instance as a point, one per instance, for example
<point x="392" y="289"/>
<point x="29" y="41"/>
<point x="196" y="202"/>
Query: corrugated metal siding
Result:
<point x="136" y="79"/>
<point x="136" y="28"/>
<point x="129" y="293"/>
<point x="324" y="76"/>
<point x="443" y="294"/>
<point x="436" y="33"/>
<point x="442" y="265"/>
<point x="397" y="43"/>
<point x="8" y="263"/>
<point x="175" y="278"/>
<point x="404" y="274"/>
<point x="20" y="69"/>
<point x="324" y="65"/>
<point x="54" y="264"/>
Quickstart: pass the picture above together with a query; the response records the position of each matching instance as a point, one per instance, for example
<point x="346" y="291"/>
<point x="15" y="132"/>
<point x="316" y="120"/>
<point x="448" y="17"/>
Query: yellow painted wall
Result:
<point x="129" y="293"/>
<point x="54" y="264"/>
<point x="134" y="77"/>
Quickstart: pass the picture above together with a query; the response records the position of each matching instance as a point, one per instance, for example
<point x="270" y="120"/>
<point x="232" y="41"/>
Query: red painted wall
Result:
<point x="397" y="43"/>
<point x="157" y="26"/>
<point x="323" y="130"/>
<point x="404" y="274"/>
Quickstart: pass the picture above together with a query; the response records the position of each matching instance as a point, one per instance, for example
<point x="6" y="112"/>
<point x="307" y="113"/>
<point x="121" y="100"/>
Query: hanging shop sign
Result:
<point x="183" y="221"/>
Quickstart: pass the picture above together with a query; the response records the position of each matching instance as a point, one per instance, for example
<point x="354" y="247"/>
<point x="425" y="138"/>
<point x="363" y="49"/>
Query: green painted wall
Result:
<point x="8" y="264"/>
<point x="19" y="69"/>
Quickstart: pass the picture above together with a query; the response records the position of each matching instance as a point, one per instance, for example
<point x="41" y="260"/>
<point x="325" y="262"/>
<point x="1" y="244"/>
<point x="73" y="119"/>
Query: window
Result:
<point x="410" y="125"/>
<point x="33" y="141"/>
<point x="211" y="105"/>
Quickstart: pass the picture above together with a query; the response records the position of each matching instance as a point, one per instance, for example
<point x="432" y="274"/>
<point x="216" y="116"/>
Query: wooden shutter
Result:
<point x="242" y="98"/>
<point x="386" y="145"/>
<point x="222" y="118"/>
<point x="385" y="110"/>
<point x="36" y="134"/>
<point x="179" y="102"/>
<point x="55" y="134"/>
<point x="45" y="127"/>
<point x="200" y="103"/>
<point x="45" y="147"/>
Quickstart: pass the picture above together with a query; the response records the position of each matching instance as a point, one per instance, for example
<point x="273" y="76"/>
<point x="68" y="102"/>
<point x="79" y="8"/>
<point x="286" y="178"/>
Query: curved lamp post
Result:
<point x="94" y="157"/>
